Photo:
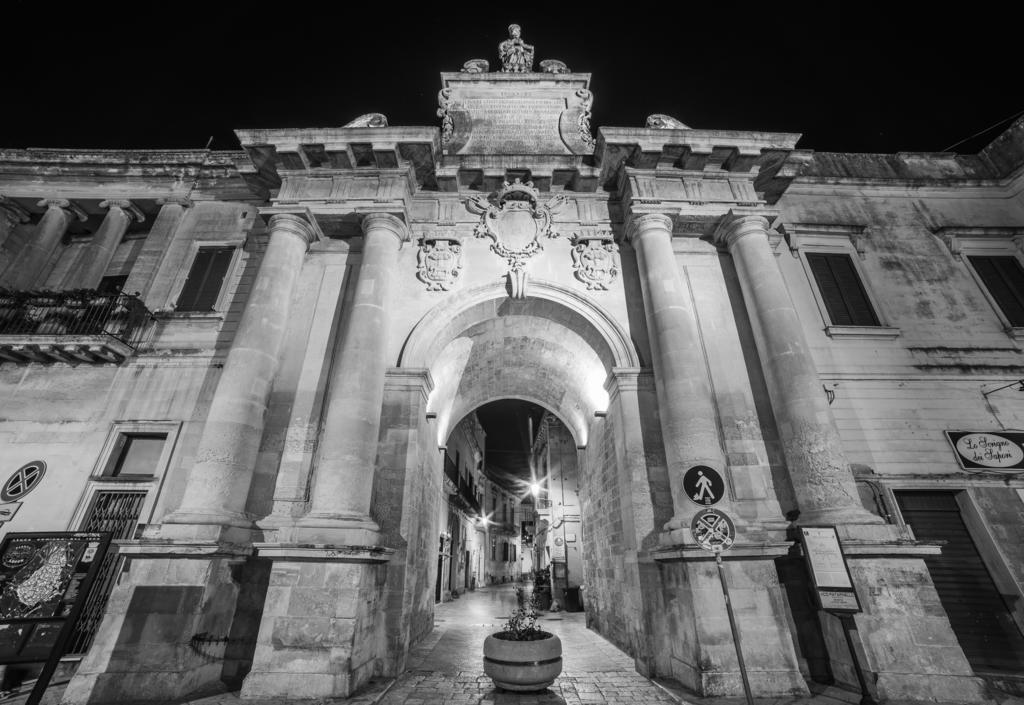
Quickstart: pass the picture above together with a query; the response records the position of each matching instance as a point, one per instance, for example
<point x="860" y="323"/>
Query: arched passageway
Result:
<point x="565" y="354"/>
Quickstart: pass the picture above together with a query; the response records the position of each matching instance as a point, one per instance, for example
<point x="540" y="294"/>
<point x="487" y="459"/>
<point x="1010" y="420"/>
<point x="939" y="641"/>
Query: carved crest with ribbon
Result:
<point x="515" y="219"/>
<point x="439" y="262"/>
<point x="595" y="259"/>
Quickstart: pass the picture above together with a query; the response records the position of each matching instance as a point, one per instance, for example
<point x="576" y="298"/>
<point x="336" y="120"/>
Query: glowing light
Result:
<point x="534" y="489"/>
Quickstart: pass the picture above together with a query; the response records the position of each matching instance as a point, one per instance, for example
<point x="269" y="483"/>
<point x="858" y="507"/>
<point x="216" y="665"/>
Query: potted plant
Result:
<point x="523" y="657"/>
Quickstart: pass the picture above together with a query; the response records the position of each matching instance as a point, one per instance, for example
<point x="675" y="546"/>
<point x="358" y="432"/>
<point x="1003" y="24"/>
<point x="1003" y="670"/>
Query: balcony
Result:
<point x="74" y="326"/>
<point x="460" y="489"/>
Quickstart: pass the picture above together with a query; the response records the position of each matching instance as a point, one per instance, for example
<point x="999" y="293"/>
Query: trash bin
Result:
<point x="573" y="600"/>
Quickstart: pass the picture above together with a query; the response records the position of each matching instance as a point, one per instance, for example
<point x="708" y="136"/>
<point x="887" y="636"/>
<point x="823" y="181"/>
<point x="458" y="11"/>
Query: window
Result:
<point x="840" y="288"/>
<point x="1004" y="279"/>
<point x="121" y="493"/>
<point x="136" y="454"/>
<point x="831" y="257"/>
<point x="112" y="284"/>
<point x="205" y="279"/>
<point x="992" y="256"/>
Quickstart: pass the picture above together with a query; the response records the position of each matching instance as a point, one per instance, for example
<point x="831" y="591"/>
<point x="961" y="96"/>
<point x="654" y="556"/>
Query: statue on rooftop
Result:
<point x="515" y="54"/>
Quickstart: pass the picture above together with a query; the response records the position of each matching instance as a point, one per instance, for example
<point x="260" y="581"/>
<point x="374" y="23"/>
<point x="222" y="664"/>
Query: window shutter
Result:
<point x="845" y="298"/>
<point x="205" y="279"/>
<point x="1004" y="279"/>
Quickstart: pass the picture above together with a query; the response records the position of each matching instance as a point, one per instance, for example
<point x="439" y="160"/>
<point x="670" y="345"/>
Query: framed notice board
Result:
<point x="44" y="580"/>
<point x="830" y="576"/>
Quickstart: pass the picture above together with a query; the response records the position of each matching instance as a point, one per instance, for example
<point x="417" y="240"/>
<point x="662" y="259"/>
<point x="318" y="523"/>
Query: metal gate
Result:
<point x="118" y="512"/>
<point x="980" y="618"/>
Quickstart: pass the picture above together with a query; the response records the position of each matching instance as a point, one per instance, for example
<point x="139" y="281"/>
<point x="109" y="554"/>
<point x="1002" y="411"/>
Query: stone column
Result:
<point x="11" y="215"/>
<point x="98" y="253"/>
<point x="154" y="249"/>
<point x="822" y="479"/>
<point x="344" y="466"/>
<point x="218" y="484"/>
<point x="687" y="412"/>
<point x="28" y="265"/>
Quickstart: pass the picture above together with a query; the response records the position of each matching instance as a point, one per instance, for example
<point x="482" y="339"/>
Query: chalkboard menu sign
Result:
<point x="44" y="580"/>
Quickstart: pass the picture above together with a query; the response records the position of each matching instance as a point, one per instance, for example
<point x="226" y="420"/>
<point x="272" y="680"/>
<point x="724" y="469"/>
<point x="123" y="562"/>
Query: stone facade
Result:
<point x="654" y="288"/>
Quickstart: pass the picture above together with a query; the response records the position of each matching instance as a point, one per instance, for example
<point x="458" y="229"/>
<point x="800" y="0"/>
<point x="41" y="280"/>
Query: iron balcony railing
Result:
<point x="77" y="324"/>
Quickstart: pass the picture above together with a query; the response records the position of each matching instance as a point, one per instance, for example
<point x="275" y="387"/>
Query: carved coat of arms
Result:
<point x="439" y="263"/>
<point x="515" y="220"/>
<point x="596" y="261"/>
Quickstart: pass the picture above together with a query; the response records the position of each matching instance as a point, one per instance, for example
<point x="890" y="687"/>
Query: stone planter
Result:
<point x="523" y="665"/>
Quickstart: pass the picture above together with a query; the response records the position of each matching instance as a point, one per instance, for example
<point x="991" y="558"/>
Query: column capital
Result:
<point x="13" y="211"/>
<point x="294" y="225"/>
<point x="64" y="204"/>
<point x="129" y="208"/>
<point x="735" y="226"/>
<point x="386" y="221"/>
<point x="639" y="225"/>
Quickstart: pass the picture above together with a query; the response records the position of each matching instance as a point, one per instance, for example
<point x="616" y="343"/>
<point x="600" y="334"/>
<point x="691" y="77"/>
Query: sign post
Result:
<point x="833" y="588"/>
<point x="44" y="581"/>
<point x="714" y="531"/>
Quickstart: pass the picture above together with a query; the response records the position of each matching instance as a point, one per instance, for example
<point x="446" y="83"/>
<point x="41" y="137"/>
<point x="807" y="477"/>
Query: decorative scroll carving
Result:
<point x="369" y="120"/>
<point x="595" y="259"/>
<point x="439" y="262"/>
<point x="587" y="99"/>
<point x="514" y="219"/>
<point x="515" y="54"/>
<point x="659" y="121"/>
<point x="553" y="66"/>
<point x="476" y="66"/>
<point x="445" y="103"/>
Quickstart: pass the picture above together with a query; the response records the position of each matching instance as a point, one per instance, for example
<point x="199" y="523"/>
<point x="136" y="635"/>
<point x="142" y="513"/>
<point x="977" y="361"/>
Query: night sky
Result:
<point x="153" y="75"/>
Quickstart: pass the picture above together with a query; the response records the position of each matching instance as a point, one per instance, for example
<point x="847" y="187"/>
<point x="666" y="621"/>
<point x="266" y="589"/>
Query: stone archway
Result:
<point x="553" y="347"/>
<point x="563" y="352"/>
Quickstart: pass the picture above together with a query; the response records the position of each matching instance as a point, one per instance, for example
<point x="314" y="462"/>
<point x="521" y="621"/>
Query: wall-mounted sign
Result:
<point x="23" y="481"/>
<point x="988" y="450"/>
<point x="44" y="580"/>
<point x="713" y="530"/>
<point x="703" y="485"/>
<point x="570" y="538"/>
<point x="833" y="586"/>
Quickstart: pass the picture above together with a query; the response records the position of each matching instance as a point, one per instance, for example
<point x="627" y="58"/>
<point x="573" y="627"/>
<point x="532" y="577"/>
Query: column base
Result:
<point x="697" y="635"/>
<point x="332" y="530"/>
<point x="167" y="634"/>
<point x="320" y="631"/>
<point x="845" y="515"/>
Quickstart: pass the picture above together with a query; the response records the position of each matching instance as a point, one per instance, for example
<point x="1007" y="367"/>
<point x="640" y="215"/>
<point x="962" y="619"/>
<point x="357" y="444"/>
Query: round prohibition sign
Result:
<point x="23" y="481"/>
<point x="713" y="530"/>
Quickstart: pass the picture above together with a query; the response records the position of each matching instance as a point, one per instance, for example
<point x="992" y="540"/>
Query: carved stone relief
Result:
<point x="659" y="121"/>
<point x="369" y="120"/>
<point x="595" y="259"/>
<point x="439" y="262"/>
<point x="444" y="102"/>
<point x="514" y="219"/>
<point x="476" y="66"/>
<point x="553" y="66"/>
<point x="586" y="100"/>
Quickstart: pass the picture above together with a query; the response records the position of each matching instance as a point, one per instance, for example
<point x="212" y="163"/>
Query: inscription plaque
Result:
<point x="515" y="124"/>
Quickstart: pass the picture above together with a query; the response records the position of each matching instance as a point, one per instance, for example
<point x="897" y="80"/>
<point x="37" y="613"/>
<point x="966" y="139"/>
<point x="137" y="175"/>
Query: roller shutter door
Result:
<point x="979" y="616"/>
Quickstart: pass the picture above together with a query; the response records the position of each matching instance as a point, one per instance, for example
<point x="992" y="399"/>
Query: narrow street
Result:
<point x="448" y="666"/>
